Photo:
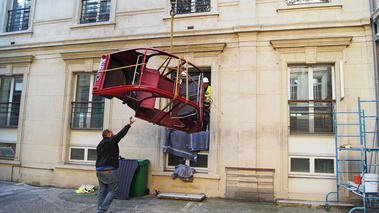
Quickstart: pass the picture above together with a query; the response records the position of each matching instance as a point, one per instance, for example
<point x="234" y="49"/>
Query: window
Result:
<point x="83" y="154"/>
<point x="7" y="151"/>
<point x="311" y="100"/>
<point x="95" y="11"/>
<point x="192" y="6"/>
<point x="201" y="165"/>
<point x="18" y="16"/>
<point x="10" y="98"/>
<point x="87" y="109"/>
<point x="291" y="2"/>
<point x="311" y="165"/>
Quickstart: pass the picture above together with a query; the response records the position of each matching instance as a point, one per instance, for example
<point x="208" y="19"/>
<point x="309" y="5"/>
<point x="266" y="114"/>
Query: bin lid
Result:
<point x="143" y="161"/>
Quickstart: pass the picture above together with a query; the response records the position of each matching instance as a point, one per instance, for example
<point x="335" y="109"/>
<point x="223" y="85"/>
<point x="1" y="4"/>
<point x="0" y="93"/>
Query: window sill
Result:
<point x="10" y="162"/>
<point x="291" y="8"/>
<point x="312" y="135"/>
<point x="77" y="167"/>
<point x="196" y="175"/>
<point x="16" y="32"/>
<point x="191" y="15"/>
<point x="331" y="176"/>
<point x="95" y="24"/>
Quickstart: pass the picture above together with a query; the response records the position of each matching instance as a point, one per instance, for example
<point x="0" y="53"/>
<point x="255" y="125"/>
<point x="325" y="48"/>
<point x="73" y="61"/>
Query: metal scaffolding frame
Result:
<point x="356" y="150"/>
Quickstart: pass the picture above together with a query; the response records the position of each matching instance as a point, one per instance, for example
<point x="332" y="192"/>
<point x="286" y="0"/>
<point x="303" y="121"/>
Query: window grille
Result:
<point x="18" y="19"/>
<point x="95" y="11"/>
<point x="87" y="115"/>
<point x="192" y="6"/>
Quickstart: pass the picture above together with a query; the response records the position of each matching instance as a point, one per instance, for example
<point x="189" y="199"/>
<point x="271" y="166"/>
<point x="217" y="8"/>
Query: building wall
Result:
<point x="248" y="44"/>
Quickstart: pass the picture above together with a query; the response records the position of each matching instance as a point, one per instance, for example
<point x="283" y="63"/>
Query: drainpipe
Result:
<point x="375" y="55"/>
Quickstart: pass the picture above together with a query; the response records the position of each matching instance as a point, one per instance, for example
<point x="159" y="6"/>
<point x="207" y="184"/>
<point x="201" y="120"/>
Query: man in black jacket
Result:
<point x="106" y="166"/>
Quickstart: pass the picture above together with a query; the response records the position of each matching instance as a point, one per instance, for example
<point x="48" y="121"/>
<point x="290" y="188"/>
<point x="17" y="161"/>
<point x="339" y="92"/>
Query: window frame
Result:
<point x="90" y="103"/>
<point x="314" y="104"/>
<point x="11" y="146"/>
<point x="312" y="165"/>
<point x="168" y="167"/>
<point x="76" y="23"/>
<point x="86" y="154"/>
<point x="11" y="99"/>
<point x="10" y="7"/>
<point x="189" y="162"/>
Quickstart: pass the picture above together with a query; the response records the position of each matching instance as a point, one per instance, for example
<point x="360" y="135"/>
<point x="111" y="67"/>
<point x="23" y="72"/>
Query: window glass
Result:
<point x="7" y="151"/>
<point x="322" y="83"/>
<point x="299" y="84"/>
<point x="18" y="4"/>
<point x="300" y="165"/>
<point x="324" y="166"/>
<point x="92" y="154"/>
<point x="175" y="160"/>
<point x="202" y="161"/>
<point x="77" y="154"/>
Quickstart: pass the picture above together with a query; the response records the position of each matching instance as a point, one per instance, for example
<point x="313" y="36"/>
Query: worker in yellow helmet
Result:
<point x="207" y="103"/>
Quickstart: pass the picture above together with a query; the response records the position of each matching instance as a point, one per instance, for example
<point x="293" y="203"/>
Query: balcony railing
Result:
<point x="9" y="114"/>
<point x="18" y="19"/>
<point x="87" y="115"/>
<point x="191" y="6"/>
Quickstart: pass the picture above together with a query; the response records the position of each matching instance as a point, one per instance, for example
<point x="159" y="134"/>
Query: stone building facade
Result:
<point x="277" y="69"/>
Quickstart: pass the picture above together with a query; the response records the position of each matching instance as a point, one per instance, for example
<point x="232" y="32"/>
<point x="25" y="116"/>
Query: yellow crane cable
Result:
<point x="172" y="13"/>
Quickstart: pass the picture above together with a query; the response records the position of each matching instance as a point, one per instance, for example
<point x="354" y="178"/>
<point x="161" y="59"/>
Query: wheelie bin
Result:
<point x="139" y="183"/>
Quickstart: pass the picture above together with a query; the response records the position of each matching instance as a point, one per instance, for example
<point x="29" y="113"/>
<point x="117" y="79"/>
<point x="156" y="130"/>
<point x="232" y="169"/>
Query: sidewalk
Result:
<point x="19" y="197"/>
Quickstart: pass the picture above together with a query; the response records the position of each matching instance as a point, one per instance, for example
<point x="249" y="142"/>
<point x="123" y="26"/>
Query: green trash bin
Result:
<point x="138" y="187"/>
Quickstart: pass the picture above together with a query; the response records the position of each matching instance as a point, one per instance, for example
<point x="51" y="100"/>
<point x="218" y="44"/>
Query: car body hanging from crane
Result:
<point x="160" y="87"/>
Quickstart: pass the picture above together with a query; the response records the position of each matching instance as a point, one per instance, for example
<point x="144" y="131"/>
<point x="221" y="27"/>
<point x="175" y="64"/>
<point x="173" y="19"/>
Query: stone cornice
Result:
<point x="86" y="54"/>
<point x="213" y="47"/>
<point x="16" y="59"/>
<point x="311" y="42"/>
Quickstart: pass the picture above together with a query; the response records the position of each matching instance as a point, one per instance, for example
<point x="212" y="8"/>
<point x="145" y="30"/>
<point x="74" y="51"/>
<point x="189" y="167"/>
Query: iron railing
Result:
<point x="9" y="114"/>
<point x="291" y="2"/>
<point x="193" y="6"/>
<point x="98" y="11"/>
<point x="311" y="116"/>
<point x="87" y="115"/>
<point x="18" y="19"/>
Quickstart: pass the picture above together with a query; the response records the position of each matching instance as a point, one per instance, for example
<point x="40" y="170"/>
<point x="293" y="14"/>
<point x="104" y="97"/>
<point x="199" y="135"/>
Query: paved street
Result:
<point x="19" y="197"/>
